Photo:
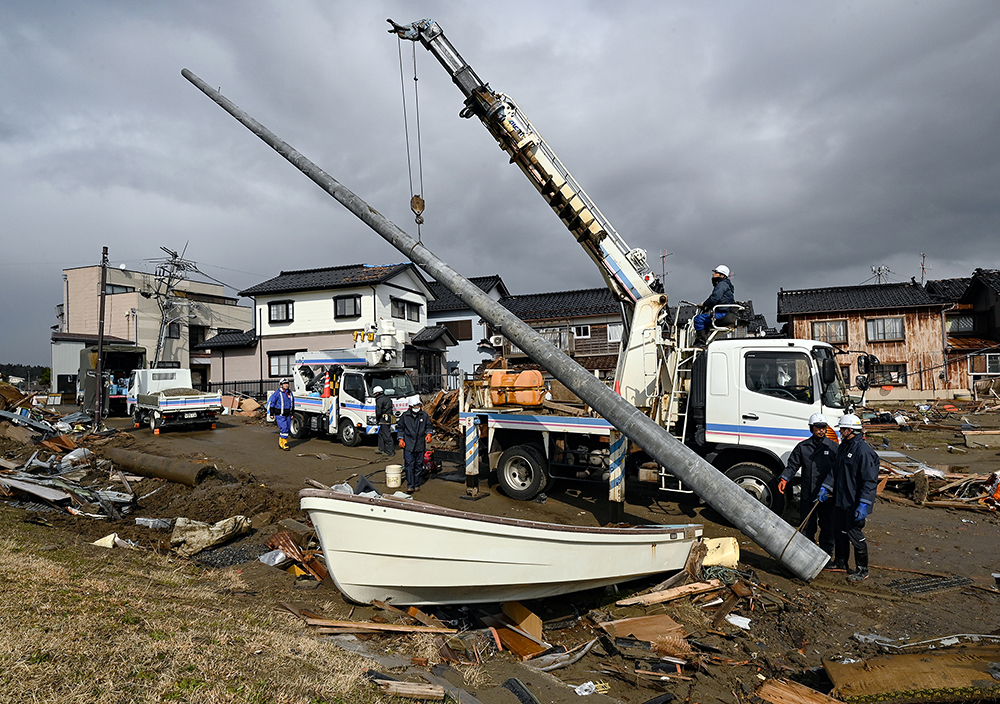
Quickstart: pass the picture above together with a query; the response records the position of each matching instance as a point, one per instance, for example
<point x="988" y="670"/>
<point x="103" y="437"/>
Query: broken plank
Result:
<point x="518" y="643"/>
<point x="411" y="690"/>
<point x="395" y="627"/>
<point x="647" y="628"/>
<point x="782" y="691"/>
<point x="459" y="695"/>
<point x="671" y="594"/>
<point x="424" y="618"/>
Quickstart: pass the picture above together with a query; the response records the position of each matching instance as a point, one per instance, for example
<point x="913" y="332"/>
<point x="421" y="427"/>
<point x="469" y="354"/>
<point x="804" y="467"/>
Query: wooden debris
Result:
<point x="671" y="594"/>
<point x="782" y="691"/>
<point x="411" y="690"/>
<point x="692" y="568"/>
<point x="514" y="639"/>
<point x="425" y="619"/>
<point x="647" y="628"/>
<point x="523" y="618"/>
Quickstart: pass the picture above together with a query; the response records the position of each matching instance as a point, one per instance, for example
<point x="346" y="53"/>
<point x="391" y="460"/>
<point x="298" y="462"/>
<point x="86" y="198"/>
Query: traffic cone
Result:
<point x="326" y="386"/>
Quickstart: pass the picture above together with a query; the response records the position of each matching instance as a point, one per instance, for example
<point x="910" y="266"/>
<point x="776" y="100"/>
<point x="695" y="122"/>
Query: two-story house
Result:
<point x="138" y="311"/>
<point x="465" y="325"/>
<point x="974" y="327"/>
<point x="900" y="323"/>
<point x="321" y="309"/>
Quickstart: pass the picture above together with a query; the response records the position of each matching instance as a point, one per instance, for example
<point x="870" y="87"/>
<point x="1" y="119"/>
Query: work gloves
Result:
<point x="402" y="443"/>
<point x="782" y="483"/>
<point x="823" y="495"/>
<point x="428" y="438"/>
<point x="862" y="511"/>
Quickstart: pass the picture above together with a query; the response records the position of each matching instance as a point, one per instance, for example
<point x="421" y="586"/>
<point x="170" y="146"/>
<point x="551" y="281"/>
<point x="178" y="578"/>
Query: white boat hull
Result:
<point x="407" y="552"/>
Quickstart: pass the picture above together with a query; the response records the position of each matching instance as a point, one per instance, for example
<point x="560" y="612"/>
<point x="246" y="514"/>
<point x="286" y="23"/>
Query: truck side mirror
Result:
<point x="828" y="371"/>
<point x="863" y="365"/>
<point x="861" y="381"/>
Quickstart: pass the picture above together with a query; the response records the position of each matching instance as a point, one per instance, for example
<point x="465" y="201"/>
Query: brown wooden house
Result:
<point x="900" y="323"/>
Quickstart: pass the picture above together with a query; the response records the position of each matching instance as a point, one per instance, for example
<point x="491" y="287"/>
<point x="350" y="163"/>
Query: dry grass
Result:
<point x="84" y="624"/>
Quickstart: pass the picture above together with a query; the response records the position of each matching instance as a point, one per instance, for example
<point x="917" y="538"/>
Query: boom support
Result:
<point x="625" y="270"/>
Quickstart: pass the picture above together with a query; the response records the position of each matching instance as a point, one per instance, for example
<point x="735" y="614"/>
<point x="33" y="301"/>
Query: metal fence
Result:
<point x="259" y="390"/>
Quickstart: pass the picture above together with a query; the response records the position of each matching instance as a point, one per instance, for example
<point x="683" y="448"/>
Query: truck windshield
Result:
<point x="834" y="394"/>
<point x="394" y="384"/>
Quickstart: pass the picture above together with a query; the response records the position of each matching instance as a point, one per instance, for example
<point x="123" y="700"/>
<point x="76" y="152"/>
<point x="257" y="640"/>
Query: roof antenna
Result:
<point x="923" y="267"/>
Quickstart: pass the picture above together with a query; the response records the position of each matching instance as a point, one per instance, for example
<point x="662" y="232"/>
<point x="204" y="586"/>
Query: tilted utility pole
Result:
<point x="99" y="401"/>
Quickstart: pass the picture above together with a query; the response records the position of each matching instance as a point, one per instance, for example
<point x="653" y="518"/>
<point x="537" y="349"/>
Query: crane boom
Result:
<point x="625" y="270"/>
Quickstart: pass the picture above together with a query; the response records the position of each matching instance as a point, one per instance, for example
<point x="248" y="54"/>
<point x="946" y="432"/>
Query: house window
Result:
<point x="832" y="331"/>
<point x="888" y="375"/>
<point x="168" y="365"/>
<point x="115" y="288"/>
<point x="992" y="363"/>
<point x="347" y="307"/>
<point x="459" y="329"/>
<point x="557" y="336"/>
<point x="960" y="323"/>
<point x="174" y="331"/>
<point x="280" y="363"/>
<point x="581" y="331"/>
<point x="196" y="334"/>
<point x="280" y="312"/>
<point x="615" y="332"/>
<point x="845" y="371"/>
<point x="884" y="329"/>
<point x="405" y="310"/>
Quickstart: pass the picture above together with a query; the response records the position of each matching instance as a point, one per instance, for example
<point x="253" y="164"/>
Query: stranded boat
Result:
<point x="407" y="552"/>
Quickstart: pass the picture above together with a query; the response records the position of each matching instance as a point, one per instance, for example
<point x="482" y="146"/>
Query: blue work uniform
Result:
<point x="853" y="480"/>
<point x="281" y="405"/>
<point x="722" y="294"/>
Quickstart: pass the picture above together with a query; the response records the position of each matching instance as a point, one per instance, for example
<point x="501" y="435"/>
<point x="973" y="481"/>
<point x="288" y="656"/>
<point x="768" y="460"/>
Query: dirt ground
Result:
<point x="812" y="622"/>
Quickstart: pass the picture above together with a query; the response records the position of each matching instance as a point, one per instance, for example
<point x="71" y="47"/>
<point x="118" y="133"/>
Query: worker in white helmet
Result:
<point x="814" y="456"/>
<point x="722" y="294"/>
<point x="851" y="484"/>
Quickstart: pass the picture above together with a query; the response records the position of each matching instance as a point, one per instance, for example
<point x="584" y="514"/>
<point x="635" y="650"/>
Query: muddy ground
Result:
<point x="816" y="621"/>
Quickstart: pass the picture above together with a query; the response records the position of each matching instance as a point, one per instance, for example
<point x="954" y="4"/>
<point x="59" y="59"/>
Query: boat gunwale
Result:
<point x="687" y="530"/>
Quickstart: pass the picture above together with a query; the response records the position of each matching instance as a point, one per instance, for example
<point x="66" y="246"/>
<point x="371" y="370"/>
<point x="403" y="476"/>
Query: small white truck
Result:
<point x="164" y="398"/>
<point x="348" y="411"/>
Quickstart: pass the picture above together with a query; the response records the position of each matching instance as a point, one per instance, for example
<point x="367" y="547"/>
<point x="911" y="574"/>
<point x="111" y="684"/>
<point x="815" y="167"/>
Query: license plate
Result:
<point x="190" y="415"/>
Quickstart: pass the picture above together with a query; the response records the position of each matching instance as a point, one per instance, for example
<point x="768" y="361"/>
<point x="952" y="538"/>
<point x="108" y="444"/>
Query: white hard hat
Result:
<point x="817" y="419"/>
<point x="414" y="401"/>
<point x="377" y="390"/>
<point x="722" y="269"/>
<point x="850" y="421"/>
<point x="283" y="381"/>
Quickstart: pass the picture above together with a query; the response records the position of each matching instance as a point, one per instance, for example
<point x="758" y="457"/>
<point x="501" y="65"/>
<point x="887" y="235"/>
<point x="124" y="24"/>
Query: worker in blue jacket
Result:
<point x="814" y="456"/>
<point x="723" y="293"/>
<point x="280" y="406"/>
<point x="851" y="483"/>
<point x="414" y="430"/>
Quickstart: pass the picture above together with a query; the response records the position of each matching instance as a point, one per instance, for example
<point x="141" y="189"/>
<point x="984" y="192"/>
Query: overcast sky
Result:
<point x="799" y="143"/>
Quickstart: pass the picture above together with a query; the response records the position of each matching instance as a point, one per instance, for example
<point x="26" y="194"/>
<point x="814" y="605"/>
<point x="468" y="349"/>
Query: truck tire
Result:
<point x="522" y="472"/>
<point x="758" y="481"/>
<point x="137" y="418"/>
<point x="349" y="435"/>
<point x="152" y="424"/>
<point x="297" y="426"/>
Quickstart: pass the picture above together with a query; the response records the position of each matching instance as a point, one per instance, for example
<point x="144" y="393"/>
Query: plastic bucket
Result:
<point x="393" y="475"/>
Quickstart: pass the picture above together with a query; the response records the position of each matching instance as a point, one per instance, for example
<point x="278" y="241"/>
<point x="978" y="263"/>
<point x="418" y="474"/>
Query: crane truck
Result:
<point x="741" y="404"/>
<point x="334" y="389"/>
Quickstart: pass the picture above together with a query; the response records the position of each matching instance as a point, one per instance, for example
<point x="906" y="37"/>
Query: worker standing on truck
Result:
<point x="722" y="294"/>
<point x="383" y="416"/>
<point x="280" y="406"/>
<point x="851" y="482"/>
<point x="814" y="456"/>
<point x="414" y="435"/>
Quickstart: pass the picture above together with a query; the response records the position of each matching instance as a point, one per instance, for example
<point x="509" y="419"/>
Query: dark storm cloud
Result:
<point x="799" y="143"/>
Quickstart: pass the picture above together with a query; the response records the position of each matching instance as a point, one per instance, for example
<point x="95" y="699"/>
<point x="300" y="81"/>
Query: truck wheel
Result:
<point x="522" y="473"/>
<point x="297" y="426"/>
<point x="137" y="418"/>
<point x="349" y="434"/>
<point x="758" y="481"/>
<point x="152" y="424"/>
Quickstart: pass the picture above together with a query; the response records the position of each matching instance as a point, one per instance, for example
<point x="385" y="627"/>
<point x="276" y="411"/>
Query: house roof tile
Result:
<point x="445" y="300"/>
<point x="849" y="298"/>
<point x="431" y="333"/>
<point x="331" y="277"/>
<point x="247" y="338"/>
<point x="948" y="290"/>
<point x="562" y="304"/>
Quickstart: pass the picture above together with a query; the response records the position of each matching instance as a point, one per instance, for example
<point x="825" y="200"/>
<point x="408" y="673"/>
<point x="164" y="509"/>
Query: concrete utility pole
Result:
<point x="99" y="401"/>
<point x="782" y="541"/>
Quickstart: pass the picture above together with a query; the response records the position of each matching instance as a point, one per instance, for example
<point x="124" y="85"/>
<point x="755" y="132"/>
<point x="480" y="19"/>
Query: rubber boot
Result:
<point x="283" y="444"/>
